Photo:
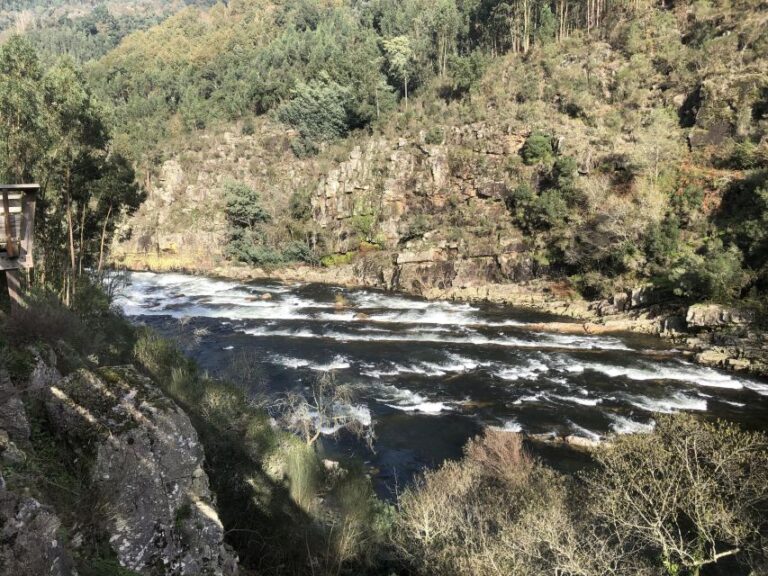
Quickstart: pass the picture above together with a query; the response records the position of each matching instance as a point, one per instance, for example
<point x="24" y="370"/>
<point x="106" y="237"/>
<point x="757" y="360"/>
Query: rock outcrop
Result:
<point x="139" y="460"/>
<point x="30" y="538"/>
<point x="147" y="472"/>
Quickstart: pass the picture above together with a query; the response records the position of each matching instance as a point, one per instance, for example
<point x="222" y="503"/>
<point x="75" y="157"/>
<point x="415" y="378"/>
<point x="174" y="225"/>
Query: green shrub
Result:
<point x="537" y="149"/>
<point x="331" y="260"/>
<point x="300" y="204"/>
<point x="319" y="110"/>
<point x="248" y="128"/>
<point x="714" y="273"/>
<point x="243" y="206"/>
<point x="299" y="252"/>
<point x="364" y="225"/>
<point x="743" y="217"/>
<point x="435" y="135"/>
<point x="746" y="156"/>
<point x="662" y="241"/>
<point x="531" y="211"/>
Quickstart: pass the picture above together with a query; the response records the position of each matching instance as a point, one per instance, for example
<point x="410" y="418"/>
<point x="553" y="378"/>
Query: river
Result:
<point x="430" y="374"/>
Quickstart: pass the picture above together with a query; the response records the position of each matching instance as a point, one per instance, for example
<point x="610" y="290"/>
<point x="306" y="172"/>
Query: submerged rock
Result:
<point x="147" y="472"/>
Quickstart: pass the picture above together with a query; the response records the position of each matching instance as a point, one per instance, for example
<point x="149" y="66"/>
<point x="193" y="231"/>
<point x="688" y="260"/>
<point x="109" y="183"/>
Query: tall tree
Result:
<point x="400" y="58"/>
<point x="23" y="134"/>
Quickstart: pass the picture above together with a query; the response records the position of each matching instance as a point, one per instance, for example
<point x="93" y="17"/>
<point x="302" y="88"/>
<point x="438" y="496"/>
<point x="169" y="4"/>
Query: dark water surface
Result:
<point x="430" y="375"/>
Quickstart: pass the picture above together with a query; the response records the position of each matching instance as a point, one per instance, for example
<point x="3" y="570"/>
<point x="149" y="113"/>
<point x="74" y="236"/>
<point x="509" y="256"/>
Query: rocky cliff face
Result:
<point x="142" y="478"/>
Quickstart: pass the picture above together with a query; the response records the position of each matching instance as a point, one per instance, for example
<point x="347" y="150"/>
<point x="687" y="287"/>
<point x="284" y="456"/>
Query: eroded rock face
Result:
<point x="711" y="315"/>
<point x="29" y="538"/>
<point x="147" y="472"/>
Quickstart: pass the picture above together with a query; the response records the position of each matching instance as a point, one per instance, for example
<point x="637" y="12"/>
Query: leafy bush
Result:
<point x="537" y="149"/>
<point x="714" y="273"/>
<point x="300" y="204"/>
<point x="746" y="156"/>
<point x="364" y="225"/>
<point x="248" y="128"/>
<point x="531" y="211"/>
<point x="243" y="206"/>
<point x="245" y="215"/>
<point x="331" y="260"/>
<point x="434" y="135"/>
<point x="690" y="494"/>
<point x="743" y="217"/>
<point x="319" y="110"/>
<point x="299" y="252"/>
<point x="662" y="241"/>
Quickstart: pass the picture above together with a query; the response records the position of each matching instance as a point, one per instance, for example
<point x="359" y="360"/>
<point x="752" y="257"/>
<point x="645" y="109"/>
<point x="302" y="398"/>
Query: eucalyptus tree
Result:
<point x="400" y="58"/>
<point x="52" y="130"/>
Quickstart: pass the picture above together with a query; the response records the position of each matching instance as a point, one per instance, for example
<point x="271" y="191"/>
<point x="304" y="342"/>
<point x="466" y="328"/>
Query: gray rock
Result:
<point x="711" y="315"/>
<point x="30" y="544"/>
<point x="9" y="452"/>
<point x="147" y="472"/>
<point x="13" y="418"/>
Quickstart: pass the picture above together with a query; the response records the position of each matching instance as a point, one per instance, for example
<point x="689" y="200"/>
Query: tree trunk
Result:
<point x="82" y="242"/>
<point x="103" y="236"/>
<point x="71" y="233"/>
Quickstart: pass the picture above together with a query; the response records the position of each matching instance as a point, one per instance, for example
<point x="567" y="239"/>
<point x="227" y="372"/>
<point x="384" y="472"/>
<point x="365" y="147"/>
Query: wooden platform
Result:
<point x="17" y="225"/>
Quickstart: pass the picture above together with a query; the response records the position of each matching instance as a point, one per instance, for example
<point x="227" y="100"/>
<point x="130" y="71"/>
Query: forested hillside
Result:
<point x="607" y="143"/>
<point x="624" y="140"/>
<point x="610" y="156"/>
<point x="83" y="29"/>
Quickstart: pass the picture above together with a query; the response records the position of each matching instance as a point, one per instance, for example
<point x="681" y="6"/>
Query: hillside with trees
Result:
<point x="640" y="126"/>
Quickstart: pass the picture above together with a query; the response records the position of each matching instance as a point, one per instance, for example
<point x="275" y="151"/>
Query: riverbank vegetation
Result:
<point x="689" y="498"/>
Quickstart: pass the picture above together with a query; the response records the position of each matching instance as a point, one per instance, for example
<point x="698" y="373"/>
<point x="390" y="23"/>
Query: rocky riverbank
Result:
<point x="710" y="334"/>
<point x="100" y="469"/>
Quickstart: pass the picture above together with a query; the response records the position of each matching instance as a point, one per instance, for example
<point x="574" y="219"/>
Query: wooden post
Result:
<point x="18" y="221"/>
<point x="10" y="246"/>
<point x="13" y="279"/>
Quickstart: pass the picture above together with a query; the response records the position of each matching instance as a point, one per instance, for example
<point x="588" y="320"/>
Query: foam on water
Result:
<point x="338" y="363"/>
<point x="408" y="401"/>
<point x="435" y="356"/>
<point x="512" y="426"/>
<point x="623" y="425"/>
<point x="674" y="403"/>
<point x="577" y="400"/>
<point x="529" y="371"/>
<point x="342" y="413"/>
<point x="680" y="371"/>
<point x="544" y="340"/>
